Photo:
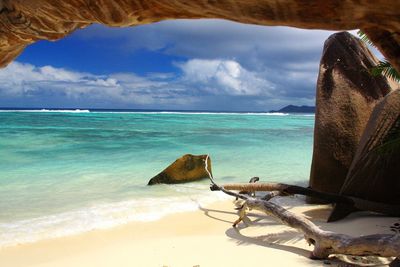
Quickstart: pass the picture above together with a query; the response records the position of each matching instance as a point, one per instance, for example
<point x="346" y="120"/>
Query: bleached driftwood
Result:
<point x="325" y="242"/>
<point x="356" y="203"/>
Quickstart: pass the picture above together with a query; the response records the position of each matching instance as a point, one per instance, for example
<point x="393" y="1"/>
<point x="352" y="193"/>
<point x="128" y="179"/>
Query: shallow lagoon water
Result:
<point x="64" y="172"/>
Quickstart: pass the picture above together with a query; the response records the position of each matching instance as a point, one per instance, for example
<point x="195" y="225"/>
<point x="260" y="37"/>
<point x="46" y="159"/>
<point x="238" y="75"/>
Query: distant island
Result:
<point x="295" y="109"/>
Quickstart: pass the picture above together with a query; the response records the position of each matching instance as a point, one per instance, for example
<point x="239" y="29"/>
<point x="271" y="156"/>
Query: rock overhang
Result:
<point x="25" y="22"/>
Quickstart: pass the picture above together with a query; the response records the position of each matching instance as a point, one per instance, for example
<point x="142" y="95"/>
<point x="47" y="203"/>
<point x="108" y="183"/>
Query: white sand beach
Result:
<point x="201" y="238"/>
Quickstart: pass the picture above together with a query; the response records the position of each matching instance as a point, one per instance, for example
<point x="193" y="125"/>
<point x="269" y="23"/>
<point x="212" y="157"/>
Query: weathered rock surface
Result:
<point x="24" y="22"/>
<point x="188" y="168"/>
<point x="375" y="172"/>
<point x="346" y="95"/>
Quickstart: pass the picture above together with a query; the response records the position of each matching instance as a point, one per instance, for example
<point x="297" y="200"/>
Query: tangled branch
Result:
<point x="325" y="242"/>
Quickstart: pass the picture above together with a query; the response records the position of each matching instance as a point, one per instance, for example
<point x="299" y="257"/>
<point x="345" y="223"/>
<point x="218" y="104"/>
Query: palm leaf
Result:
<point x="383" y="67"/>
<point x="389" y="147"/>
<point x="386" y="69"/>
<point x="364" y="37"/>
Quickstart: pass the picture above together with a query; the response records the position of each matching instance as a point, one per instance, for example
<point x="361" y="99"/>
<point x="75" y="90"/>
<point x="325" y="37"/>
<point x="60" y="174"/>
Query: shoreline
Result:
<point x="104" y="216"/>
<point x="156" y="112"/>
<point x="203" y="237"/>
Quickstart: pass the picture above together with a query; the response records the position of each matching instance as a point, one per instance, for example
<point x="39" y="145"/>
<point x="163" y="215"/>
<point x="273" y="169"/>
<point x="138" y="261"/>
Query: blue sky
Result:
<point x="179" y="64"/>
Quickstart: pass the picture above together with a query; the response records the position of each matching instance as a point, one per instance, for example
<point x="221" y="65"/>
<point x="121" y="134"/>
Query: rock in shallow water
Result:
<point x="346" y="95"/>
<point x="188" y="168"/>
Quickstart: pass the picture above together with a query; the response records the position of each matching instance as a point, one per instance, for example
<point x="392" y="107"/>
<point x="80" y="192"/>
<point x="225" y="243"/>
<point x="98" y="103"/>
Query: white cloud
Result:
<point x="50" y="73"/>
<point x="220" y="61"/>
<point x="193" y="38"/>
<point x="199" y="78"/>
<point x="278" y="60"/>
<point x="224" y="77"/>
<point x="21" y="79"/>
<point x="202" y="83"/>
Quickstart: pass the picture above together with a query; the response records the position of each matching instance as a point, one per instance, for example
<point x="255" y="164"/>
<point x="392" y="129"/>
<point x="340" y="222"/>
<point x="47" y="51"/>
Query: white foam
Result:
<point x="101" y="216"/>
<point x="230" y="113"/>
<point x="48" y="110"/>
<point x="198" y="113"/>
<point x="66" y="110"/>
<point x="160" y="112"/>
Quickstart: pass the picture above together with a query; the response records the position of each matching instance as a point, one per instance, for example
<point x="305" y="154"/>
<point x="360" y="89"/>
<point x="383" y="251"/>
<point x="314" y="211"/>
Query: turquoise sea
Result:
<point x="68" y="171"/>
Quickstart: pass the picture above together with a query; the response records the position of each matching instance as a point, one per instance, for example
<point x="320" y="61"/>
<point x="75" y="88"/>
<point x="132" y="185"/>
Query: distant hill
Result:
<point x="296" y="109"/>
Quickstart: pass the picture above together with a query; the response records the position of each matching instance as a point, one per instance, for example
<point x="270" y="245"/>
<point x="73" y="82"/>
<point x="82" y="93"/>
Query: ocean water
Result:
<point x="69" y="171"/>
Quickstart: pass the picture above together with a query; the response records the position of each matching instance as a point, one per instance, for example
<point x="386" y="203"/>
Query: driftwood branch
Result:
<point x="352" y="202"/>
<point x="325" y="242"/>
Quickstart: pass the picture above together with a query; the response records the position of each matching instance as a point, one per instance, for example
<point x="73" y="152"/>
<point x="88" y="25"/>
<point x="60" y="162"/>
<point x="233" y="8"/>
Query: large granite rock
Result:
<point x="25" y="22"/>
<point x="188" y="168"/>
<point x="346" y="95"/>
<point x="375" y="172"/>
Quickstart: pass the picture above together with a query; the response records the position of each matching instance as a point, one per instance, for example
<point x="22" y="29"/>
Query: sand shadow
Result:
<point x="252" y="218"/>
<point x="208" y="211"/>
<point x="273" y="240"/>
<point x="282" y="239"/>
<point x="279" y="241"/>
<point x="320" y="214"/>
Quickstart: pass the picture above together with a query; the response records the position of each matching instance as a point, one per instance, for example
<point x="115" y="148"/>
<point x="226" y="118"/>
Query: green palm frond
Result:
<point x="363" y="36"/>
<point x="383" y="67"/>
<point x="386" y="69"/>
<point x="389" y="147"/>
